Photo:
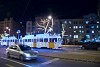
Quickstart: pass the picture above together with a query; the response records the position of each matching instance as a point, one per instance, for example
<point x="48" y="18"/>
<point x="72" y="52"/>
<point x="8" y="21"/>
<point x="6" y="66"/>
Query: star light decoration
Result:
<point x="63" y="30"/>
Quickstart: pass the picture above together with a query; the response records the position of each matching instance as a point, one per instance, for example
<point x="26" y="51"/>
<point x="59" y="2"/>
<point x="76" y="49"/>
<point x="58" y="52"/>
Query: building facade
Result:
<point x="76" y="29"/>
<point x="29" y="27"/>
<point x="9" y="26"/>
<point x="98" y="9"/>
<point x="4" y="24"/>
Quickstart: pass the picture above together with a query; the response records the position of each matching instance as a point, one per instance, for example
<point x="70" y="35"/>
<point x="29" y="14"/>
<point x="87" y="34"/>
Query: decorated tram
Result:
<point x="38" y="41"/>
<point x="43" y="40"/>
<point x="6" y="41"/>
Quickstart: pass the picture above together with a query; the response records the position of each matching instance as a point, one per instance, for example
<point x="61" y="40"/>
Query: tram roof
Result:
<point x="41" y="36"/>
<point x="28" y="37"/>
<point x="47" y="36"/>
<point x="8" y="38"/>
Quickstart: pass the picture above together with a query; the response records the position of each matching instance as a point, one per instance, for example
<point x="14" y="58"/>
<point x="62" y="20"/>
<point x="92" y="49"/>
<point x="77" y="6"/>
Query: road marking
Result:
<point x="16" y="62"/>
<point x="9" y="65"/>
<point x="50" y="61"/>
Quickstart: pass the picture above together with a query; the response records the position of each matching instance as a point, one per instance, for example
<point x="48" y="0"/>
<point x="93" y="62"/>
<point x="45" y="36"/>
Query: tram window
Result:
<point x="20" y="40"/>
<point x="41" y="40"/>
<point x="16" y="41"/>
<point x="29" y="40"/>
<point x="10" y="40"/>
<point x="25" y="40"/>
<point x="35" y="40"/>
<point x="4" y="40"/>
<point x="53" y="39"/>
<point x="59" y="39"/>
<point x="7" y="40"/>
<point x="46" y="40"/>
<point x="32" y="40"/>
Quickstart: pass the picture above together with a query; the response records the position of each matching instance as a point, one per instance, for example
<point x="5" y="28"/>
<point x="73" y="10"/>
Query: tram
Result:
<point x="43" y="40"/>
<point x="38" y="41"/>
<point x="6" y="41"/>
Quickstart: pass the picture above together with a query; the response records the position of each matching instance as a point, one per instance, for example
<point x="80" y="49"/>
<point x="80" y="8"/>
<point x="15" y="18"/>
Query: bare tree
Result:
<point x="45" y="25"/>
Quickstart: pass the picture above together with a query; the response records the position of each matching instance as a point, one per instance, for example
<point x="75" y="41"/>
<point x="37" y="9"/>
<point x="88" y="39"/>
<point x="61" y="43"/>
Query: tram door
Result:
<point x="52" y="42"/>
<point x="7" y="42"/>
<point x="35" y="45"/>
<point x="46" y="42"/>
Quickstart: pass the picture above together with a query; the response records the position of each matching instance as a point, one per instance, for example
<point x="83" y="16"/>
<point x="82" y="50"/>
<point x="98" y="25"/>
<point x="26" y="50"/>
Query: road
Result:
<point x="43" y="61"/>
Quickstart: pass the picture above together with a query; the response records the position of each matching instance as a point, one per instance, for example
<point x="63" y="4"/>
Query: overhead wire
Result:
<point x="26" y="8"/>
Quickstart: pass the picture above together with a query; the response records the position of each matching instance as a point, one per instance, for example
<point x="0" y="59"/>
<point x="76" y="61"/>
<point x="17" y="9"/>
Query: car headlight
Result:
<point x="27" y="55"/>
<point x="36" y="52"/>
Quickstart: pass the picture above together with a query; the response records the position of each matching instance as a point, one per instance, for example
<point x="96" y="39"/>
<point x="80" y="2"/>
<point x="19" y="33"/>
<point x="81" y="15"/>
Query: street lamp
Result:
<point x="4" y="31"/>
<point x="51" y="18"/>
<point x="18" y="32"/>
<point x="8" y="29"/>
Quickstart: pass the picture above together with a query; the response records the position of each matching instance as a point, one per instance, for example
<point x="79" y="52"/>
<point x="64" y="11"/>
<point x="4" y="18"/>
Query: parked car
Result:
<point x="91" y="45"/>
<point x="22" y="52"/>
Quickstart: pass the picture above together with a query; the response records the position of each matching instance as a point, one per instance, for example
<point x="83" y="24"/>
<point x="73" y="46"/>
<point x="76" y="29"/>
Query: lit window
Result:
<point x="82" y="31"/>
<point x="79" y="26"/>
<point x="98" y="31"/>
<point x="75" y="36"/>
<point x="66" y="35"/>
<point x="97" y="26"/>
<point x="70" y="35"/>
<point x="65" y="22"/>
<point x="87" y="22"/>
<point x="97" y="21"/>
<point x="69" y="22"/>
<point x="92" y="26"/>
<point x="76" y="27"/>
<point x="87" y="36"/>
<point x="69" y="27"/>
<point x="82" y="27"/>
<point x="92" y="31"/>
<point x="74" y="31"/>
<point x="20" y="22"/>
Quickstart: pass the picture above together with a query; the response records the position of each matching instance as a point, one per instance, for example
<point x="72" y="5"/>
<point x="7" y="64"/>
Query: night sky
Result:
<point x="23" y="10"/>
